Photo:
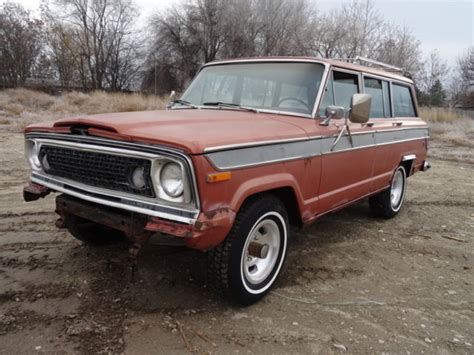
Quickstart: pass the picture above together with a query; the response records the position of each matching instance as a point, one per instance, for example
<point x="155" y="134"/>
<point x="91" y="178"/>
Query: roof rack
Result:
<point x="373" y="63"/>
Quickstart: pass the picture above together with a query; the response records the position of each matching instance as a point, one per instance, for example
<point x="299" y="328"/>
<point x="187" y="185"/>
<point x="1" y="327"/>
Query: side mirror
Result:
<point x="360" y="108"/>
<point x="333" y="113"/>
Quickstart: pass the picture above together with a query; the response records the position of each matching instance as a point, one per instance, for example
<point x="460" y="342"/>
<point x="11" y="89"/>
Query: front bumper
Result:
<point x="208" y="231"/>
<point x="114" y="199"/>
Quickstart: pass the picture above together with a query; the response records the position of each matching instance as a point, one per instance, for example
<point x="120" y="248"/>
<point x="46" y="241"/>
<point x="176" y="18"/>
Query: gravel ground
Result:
<point x="351" y="283"/>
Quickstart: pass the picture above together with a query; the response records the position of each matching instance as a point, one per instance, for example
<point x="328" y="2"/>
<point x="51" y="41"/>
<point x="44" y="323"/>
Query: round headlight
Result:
<point x="32" y="155"/>
<point x="171" y="179"/>
<point x="138" y="178"/>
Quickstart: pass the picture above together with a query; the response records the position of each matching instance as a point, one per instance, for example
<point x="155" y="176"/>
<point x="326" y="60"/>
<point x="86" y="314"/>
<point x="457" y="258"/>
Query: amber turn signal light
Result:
<point x="219" y="177"/>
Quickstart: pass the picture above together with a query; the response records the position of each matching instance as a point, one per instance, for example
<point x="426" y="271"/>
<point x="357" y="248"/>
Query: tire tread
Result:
<point x="218" y="258"/>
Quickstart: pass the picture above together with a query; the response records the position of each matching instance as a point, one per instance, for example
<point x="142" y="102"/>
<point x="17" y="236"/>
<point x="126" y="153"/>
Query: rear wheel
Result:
<point x="92" y="233"/>
<point x="245" y="266"/>
<point x="388" y="203"/>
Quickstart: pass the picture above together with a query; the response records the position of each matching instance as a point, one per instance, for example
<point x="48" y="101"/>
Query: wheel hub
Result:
<point x="261" y="251"/>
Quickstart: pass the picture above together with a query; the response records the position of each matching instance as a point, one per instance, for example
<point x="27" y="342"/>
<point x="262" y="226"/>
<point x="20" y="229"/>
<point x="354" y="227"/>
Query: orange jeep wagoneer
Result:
<point x="252" y="147"/>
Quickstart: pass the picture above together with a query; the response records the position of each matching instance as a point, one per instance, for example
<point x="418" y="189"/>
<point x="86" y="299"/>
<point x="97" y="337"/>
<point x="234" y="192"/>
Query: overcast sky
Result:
<point x="445" y="25"/>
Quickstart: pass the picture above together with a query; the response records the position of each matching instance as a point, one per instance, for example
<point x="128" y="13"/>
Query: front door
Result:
<point x="346" y="166"/>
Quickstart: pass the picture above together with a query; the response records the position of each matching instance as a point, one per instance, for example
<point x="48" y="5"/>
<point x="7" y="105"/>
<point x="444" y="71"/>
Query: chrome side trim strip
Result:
<point x="242" y="156"/>
<point x="253" y="144"/>
<point x="290" y="140"/>
<point x="250" y="156"/>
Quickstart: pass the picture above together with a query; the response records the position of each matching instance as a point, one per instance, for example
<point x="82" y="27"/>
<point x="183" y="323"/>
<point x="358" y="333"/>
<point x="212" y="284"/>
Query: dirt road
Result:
<point x="351" y="283"/>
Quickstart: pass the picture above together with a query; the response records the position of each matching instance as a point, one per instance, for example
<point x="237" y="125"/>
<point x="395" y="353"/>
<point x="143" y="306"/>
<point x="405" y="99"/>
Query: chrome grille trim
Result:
<point x="98" y="169"/>
<point x="149" y="206"/>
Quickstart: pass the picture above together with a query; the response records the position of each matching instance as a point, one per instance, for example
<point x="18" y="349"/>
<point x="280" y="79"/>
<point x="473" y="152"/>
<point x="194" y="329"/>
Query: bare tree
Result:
<point x="364" y="29"/>
<point x="358" y="29"/>
<point x="174" y="47"/>
<point x="354" y="29"/>
<point x="284" y="25"/>
<point x="199" y="31"/>
<point x="63" y="53"/>
<point x="461" y="89"/>
<point x="20" y="44"/>
<point x="243" y="27"/>
<point x="434" y="69"/>
<point x="96" y="40"/>
<point x="400" y="48"/>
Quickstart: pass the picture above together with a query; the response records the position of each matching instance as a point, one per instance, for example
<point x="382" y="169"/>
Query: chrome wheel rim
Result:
<point x="257" y="269"/>
<point x="396" y="192"/>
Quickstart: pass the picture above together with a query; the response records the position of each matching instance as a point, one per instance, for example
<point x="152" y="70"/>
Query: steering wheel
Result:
<point x="293" y="99"/>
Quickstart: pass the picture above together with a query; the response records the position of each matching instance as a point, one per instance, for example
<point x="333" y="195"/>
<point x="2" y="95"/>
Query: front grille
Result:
<point x="96" y="169"/>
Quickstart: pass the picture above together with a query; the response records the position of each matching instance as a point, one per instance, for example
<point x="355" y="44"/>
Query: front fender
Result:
<point x="265" y="183"/>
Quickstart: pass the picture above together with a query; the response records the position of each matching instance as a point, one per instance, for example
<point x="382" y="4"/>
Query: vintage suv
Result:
<point x="252" y="147"/>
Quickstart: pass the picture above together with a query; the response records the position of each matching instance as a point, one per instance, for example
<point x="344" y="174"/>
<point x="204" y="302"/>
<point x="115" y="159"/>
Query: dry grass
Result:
<point x="450" y="125"/>
<point x="439" y="114"/>
<point x="452" y="133"/>
<point x="21" y="107"/>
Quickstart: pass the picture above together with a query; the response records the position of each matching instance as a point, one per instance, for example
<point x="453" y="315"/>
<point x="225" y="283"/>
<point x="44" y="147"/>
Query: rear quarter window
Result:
<point x="402" y="101"/>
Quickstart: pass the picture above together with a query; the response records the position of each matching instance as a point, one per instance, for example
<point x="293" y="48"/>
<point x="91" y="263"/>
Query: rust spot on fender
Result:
<point x="220" y="212"/>
<point x="214" y="219"/>
<point x="207" y="221"/>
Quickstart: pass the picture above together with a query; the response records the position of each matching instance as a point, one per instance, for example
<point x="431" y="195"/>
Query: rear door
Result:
<point x="397" y="132"/>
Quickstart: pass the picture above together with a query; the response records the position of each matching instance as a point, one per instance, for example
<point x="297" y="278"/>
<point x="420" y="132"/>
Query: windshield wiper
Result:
<point x="182" y="102"/>
<point x="230" y="105"/>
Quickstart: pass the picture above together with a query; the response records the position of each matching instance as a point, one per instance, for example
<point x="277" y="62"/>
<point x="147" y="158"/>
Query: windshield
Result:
<point x="290" y="87"/>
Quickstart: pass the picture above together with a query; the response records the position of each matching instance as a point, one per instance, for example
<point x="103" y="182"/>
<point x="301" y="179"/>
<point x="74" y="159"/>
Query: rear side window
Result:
<point x="402" y="101"/>
<point x="380" y="93"/>
<point x="373" y="87"/>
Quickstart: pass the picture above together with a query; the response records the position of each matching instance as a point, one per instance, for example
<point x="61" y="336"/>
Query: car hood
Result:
<point x="192" y="130"/>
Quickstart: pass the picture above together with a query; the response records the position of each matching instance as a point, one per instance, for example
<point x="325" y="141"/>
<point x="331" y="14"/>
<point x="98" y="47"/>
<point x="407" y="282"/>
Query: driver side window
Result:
<point x="345" y="85"/>
<point x="339" y="90"/>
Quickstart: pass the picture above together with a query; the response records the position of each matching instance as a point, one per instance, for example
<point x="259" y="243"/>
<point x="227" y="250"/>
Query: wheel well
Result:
<point x="287" y="196"/>
<point x="408" y="165"/>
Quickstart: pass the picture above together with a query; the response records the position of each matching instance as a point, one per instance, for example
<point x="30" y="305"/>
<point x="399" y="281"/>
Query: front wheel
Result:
<point x="388" y="203"/>
<point x="245" y="266"/>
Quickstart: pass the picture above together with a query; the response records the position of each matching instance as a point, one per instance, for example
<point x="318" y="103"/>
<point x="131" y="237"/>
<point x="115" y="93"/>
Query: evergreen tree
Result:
<point x="437" y="94"/>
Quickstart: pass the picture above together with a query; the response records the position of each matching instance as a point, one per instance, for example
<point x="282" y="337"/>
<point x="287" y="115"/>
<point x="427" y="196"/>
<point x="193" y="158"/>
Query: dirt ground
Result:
<point x="351" y="283"/>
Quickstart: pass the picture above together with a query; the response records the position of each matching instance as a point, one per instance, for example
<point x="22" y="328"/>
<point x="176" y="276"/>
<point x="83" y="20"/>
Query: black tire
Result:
<point x="92" y="233"/>
<point x="382" y="204"/>
<point x="227" y="262"/>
